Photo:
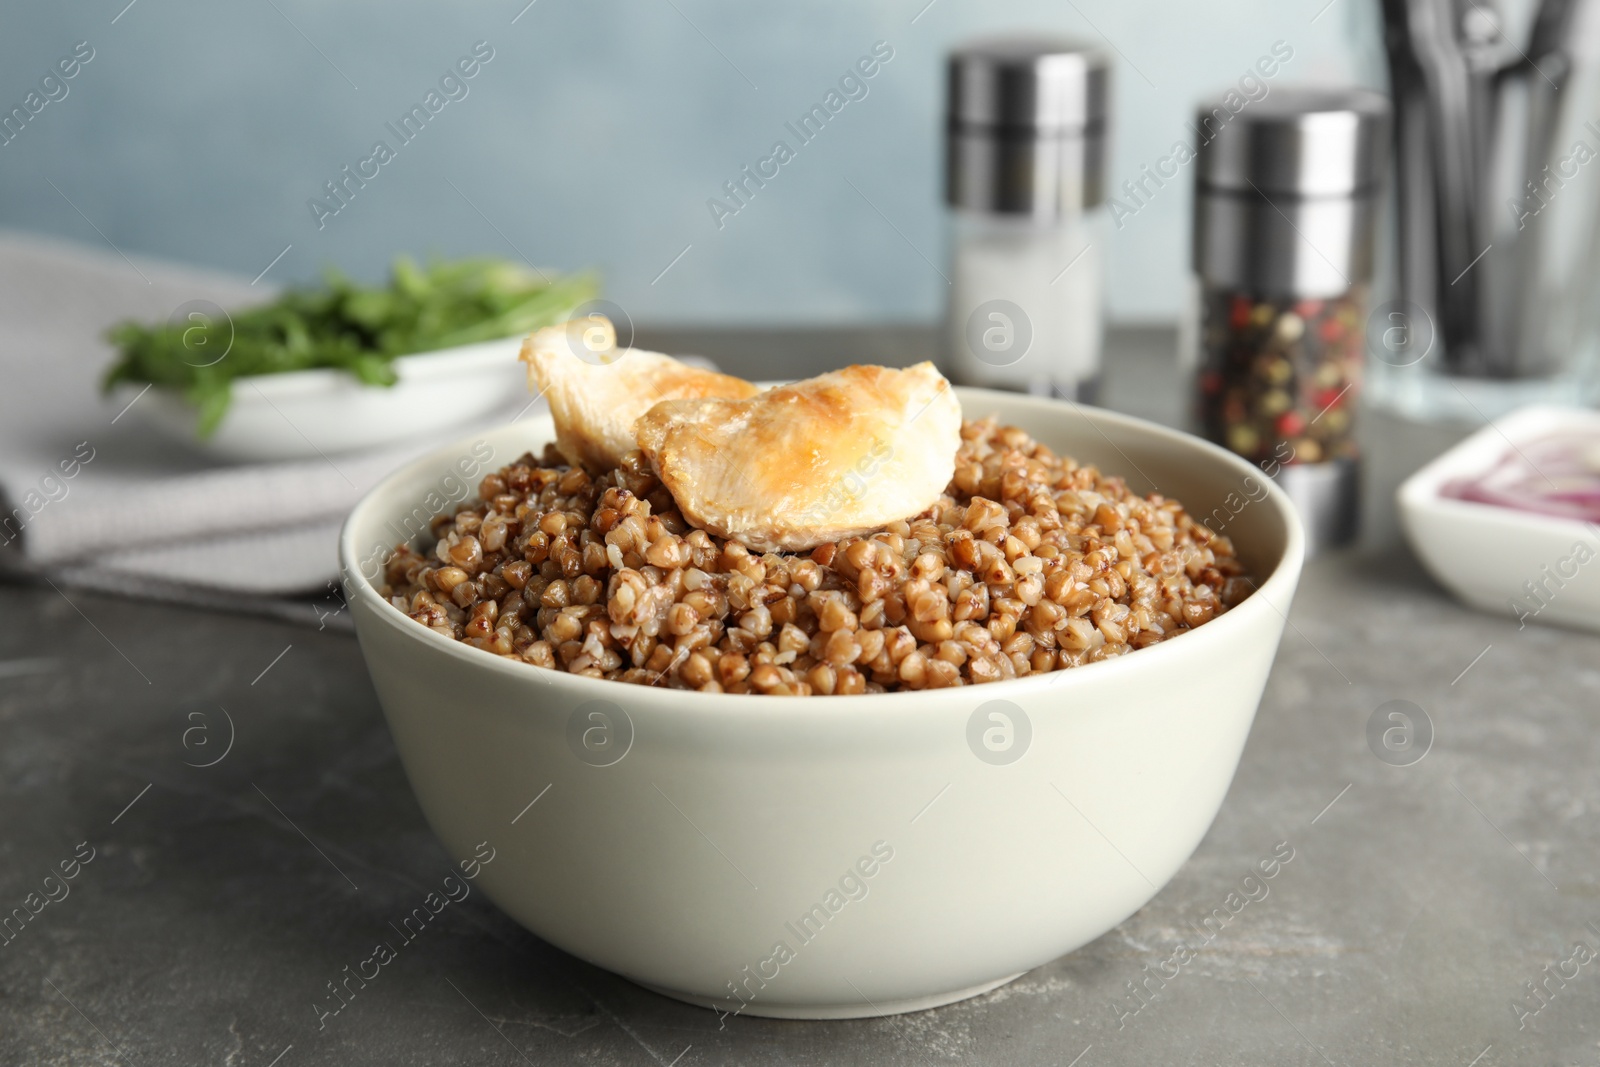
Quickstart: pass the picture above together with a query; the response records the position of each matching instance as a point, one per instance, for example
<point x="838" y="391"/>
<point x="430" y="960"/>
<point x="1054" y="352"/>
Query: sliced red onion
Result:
<point x="1557" y="475"/>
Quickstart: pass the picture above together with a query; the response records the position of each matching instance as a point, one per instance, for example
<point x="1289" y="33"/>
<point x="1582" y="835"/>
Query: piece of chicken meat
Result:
<point x="597" y="390"/>
<point x="840" y="455"/>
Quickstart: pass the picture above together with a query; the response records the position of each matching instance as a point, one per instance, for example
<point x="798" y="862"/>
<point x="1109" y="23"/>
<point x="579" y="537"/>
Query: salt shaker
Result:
<point x="1286" y="197"/>
<point x="1025" y="158"/>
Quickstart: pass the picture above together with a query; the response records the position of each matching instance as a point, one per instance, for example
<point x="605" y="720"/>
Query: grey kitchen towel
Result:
<point x="140" y="516"/>
<point x="247" y="574"/>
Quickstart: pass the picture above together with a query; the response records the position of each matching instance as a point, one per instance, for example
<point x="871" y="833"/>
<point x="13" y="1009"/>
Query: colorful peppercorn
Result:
<point x="1276" y="372"/>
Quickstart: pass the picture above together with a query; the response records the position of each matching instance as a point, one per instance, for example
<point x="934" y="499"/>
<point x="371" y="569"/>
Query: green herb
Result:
<point x="342" y="325"/>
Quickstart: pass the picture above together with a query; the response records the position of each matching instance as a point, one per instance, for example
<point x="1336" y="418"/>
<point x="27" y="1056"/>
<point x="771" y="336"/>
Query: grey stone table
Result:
<point x="1419" y="904"/>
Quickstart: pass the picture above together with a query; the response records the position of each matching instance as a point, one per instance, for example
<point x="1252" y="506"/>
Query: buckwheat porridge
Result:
<point x="640" y="568"/>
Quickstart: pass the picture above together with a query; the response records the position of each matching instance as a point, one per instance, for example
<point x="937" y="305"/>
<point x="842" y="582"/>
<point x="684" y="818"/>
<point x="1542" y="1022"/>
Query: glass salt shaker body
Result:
<point x="1025" y="157"/>
<point x="1285" y="209"/>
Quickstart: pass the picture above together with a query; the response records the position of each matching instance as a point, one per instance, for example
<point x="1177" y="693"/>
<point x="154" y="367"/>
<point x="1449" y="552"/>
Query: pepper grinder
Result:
<point x="1025" y="157"/>
<point x="1286" y="198"/>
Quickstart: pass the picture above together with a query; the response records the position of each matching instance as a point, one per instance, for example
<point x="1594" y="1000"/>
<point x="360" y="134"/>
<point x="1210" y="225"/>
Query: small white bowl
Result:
<point x="1488" y="555"/>
<point x="721" y="822"/>
<point x="303" y="414"/>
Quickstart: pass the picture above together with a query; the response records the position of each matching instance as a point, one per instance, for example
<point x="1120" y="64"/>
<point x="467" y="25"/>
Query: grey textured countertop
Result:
<point x="220" y="900"/>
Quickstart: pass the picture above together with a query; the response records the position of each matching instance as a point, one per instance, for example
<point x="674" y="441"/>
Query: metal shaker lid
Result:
<point x="1286" y="189"/>
<point x="1308" y="142"/>
<point x="1025" y="132"/>
<point x="1049" y="85"/>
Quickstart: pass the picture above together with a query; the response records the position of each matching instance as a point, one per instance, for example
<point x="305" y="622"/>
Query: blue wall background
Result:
<point x="594" y="136"/>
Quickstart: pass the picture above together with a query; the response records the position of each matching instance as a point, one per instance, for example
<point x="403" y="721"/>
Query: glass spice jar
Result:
<point x="1279" y="377"/>
<point x="1286" y="192"/>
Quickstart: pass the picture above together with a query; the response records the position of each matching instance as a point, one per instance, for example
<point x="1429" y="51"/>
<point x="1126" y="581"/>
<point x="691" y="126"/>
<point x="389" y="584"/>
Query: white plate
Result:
<point x="304" y="414"/>
<point x="1495" y="558"/>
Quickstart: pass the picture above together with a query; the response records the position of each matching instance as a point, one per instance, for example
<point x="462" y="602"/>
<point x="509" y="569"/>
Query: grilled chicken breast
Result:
<point x="808" y="463"/>
<point x="597" y="390"/>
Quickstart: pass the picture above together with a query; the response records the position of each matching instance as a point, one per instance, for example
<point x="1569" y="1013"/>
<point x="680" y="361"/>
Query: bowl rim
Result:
<point x="1275" y="590"/>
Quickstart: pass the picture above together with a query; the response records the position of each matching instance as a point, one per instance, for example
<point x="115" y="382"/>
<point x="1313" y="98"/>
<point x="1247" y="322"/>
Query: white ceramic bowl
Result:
<point x="725" y="820"/>
<point x="1499" y="559"/>
<point x="308" y="413"/>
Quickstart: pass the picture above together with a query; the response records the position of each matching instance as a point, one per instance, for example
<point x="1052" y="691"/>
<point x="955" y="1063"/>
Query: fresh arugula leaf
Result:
<point x="345" y="326"/>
